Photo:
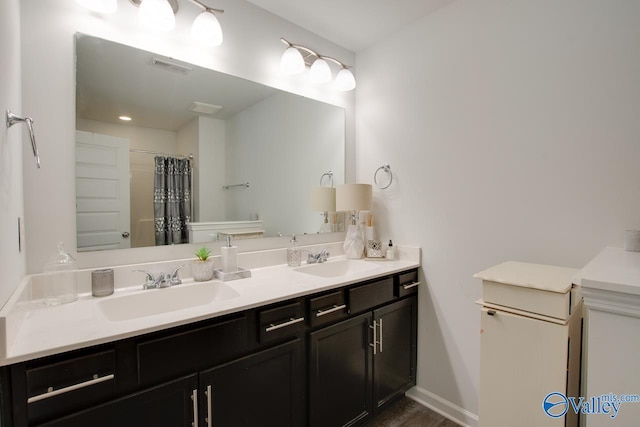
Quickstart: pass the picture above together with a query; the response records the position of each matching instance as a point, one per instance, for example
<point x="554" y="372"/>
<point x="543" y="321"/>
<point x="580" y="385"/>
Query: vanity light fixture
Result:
<point x="160" y="15"/>
<point x="157" y="15"/>
<point x="100" y="6"/>
<point x="296" y="57"/>
<point x="206" y="28"/>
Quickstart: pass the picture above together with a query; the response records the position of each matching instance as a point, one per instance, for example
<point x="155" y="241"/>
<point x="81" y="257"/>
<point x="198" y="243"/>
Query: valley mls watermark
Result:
<point x="556" y="404"/>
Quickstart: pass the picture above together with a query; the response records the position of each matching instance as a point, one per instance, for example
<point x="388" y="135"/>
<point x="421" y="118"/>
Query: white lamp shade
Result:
<point x="292" y="61"/>
<point x="345" y="80"/>
<point x="323" y="199"/>
<point x="157" y="15"/>
<point x="100" y="6"/>
<point x="320" y="71"/>
<point x="206" y="29"/>
<point x="354" y="197"/>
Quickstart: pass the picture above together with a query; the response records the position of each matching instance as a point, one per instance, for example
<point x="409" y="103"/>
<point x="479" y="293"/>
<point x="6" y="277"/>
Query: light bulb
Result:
<point x="320" y="71"/>
<point x="206" y="29"/>
<point x="345" y="80"/>
<point x="100" y="6"/>
<point x="157" y="15"/>
<point x="292" y="61"/>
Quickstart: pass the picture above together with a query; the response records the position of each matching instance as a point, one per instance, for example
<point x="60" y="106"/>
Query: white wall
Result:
<point x="251" y="49"/>
<point x="211" y="162"/>
<point x="264" y="152"/>
<point x="12" y="261"/>
<point x="512" y="131"/>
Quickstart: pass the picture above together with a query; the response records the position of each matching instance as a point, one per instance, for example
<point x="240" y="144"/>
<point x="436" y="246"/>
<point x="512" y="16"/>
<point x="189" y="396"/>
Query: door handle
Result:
<point x="375" y="337"/>
<point x="194" y="398"/>
<point x="125" y="234"/>
<point x="208" y="394"/>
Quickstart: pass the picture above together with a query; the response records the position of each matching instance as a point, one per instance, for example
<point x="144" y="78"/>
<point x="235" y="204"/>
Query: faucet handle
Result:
<point x="150" y="280"/>
<point x="174" y="277"/>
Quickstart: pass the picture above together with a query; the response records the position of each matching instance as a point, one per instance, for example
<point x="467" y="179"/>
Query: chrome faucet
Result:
<point x="318" y="258"/>
<point x="162" y="280"/>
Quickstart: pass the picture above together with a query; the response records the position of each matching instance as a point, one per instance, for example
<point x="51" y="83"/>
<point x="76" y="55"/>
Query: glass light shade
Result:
<point x="320" y="71"/>
<point x="206" y="29"/>
<point x="323" y="199"/>
<point x="100" y="6"/>
<point x="354" y="197"/>
<point x="345" y="80"/>
<point x="292" y="61"/>
<point x="156" y="15"/>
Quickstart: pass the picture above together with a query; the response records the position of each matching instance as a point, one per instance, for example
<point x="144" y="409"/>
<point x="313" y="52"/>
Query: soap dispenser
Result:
<point x="60" y="278"/>
<point x="391" y="253"/>
<point x="293" y="253"/>
<point x="229" y="257"/>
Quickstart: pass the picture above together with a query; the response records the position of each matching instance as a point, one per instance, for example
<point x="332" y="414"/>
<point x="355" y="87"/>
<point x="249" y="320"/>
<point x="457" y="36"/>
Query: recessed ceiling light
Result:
<point x="125" y="118"/>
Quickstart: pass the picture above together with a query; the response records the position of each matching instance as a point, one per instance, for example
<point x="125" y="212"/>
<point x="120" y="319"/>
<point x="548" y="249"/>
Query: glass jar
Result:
<point x="60" y="281"/>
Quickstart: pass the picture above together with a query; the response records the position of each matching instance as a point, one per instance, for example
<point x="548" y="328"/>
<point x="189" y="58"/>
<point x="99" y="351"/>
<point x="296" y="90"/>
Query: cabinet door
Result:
<point x="522" y="360"/>
<point x="394" y="363"/>
<point x="167" y="405"/>
<point x="263" y="389"/>
<point x="340" y="373"/>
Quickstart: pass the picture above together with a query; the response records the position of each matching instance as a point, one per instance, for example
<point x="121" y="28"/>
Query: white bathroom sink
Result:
<point x="342" y="267"/>
<point x="157" y="301"/>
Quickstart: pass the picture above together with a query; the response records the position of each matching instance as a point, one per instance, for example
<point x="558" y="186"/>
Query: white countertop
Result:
<point x="37" y="330"/>
<point x="613" y="269"/>
<point x="537" y="276"/>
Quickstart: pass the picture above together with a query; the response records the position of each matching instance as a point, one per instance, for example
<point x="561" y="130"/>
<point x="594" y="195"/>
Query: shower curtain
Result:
<point x="172" y="200"/>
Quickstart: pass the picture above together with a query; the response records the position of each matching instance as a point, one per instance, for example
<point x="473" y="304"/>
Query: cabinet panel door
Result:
<point x="395" y="359"/>
<point x="521" y="361"/>
<point x="263" y="389"/>
<point x="340" y="373"/>
<point x="167" y="405"/>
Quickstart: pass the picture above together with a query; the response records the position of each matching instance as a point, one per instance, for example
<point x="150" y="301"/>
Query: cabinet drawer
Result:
<point x="407" y="283"/>
<point x="282" y="321"/>
<point x="370" y="295"/>
<point x="327" y="308"/>
<point x="182" y="353"/>
<point x="70" y="384"/>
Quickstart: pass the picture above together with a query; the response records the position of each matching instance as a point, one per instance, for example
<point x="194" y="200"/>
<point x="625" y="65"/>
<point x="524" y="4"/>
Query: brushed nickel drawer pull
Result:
<point x="330" y="310"/>
<point x="209" y="418"/>
<point x="290" y="322"/>
<point x="410" y="285"/>
<point x="53" y="393"/>
<point x="194" y="398"/>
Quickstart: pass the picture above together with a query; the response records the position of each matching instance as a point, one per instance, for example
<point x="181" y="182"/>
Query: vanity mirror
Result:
<point x="237" y="131"/>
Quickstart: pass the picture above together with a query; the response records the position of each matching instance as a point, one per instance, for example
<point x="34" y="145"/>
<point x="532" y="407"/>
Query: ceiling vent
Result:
<point x="203" y="108"/>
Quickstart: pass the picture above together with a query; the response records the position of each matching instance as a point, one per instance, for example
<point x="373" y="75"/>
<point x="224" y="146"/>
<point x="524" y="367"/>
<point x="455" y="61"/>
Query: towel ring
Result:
<point x="387" y="169"/>
<point x="330" y="175"/>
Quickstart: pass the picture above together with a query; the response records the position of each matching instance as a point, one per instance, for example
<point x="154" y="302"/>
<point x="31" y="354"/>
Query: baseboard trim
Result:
<point x="443" y="407"/>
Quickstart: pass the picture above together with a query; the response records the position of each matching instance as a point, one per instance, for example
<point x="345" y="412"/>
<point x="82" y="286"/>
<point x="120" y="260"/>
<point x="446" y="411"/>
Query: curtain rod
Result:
<point x="134" y="150"/>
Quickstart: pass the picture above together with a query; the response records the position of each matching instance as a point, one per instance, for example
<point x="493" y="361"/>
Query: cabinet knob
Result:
<point x="491" y="312"/>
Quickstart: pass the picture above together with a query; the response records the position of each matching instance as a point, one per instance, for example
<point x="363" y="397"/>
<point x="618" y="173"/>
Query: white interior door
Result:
<point x="102" y="191"/>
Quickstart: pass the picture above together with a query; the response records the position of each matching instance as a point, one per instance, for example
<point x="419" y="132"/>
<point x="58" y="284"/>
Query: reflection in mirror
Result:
<point x="256" y="152"/>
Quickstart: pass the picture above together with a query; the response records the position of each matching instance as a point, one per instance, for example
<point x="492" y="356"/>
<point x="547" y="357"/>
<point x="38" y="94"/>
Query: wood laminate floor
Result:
<point x="406" y="412"/>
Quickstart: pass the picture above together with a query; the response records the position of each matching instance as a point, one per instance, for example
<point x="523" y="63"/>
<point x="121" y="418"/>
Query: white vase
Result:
<point x="354" y="242"/>
<point x="202" y="270"/>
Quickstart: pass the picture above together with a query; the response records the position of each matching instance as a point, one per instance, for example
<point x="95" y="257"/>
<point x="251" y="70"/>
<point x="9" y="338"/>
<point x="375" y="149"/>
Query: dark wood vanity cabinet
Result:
<point x="358" y="365"/>
<point x="305" y="361"/>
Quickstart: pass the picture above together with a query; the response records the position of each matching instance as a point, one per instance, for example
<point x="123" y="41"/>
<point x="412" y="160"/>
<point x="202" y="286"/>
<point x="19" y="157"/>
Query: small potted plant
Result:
<point x="202" y="267"/>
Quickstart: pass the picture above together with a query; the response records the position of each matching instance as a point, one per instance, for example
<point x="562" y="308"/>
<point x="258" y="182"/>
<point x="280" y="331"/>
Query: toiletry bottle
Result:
<point x="60" y="278"/>
<point x="229" y="257"/>
<point x="293" y="253"/>
<point x="391" y="253"/>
